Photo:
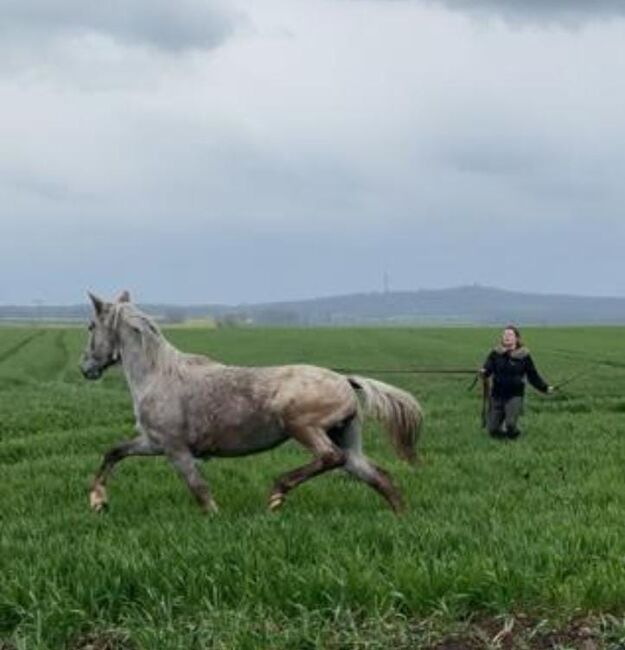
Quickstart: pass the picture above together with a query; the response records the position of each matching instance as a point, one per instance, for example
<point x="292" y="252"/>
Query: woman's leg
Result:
<point x="513" y="410"/>
<point x="496" y="416"/>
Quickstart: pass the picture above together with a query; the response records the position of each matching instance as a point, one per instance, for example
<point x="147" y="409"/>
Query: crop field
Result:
<point x="504" y="544"/>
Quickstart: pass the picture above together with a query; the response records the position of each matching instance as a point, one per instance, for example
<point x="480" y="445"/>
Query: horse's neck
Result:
<point x="142" y="361"/>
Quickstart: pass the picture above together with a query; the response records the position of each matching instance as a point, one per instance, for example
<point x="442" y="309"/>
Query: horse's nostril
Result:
<point x="89" y="370"/>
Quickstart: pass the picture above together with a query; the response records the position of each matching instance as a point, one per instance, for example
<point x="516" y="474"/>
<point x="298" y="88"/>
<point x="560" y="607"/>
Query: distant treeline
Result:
<point x="468" y="305"/>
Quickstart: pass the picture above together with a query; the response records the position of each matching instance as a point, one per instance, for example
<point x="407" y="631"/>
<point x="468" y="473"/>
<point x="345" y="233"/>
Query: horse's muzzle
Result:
<point x="93" y="368"/>
<point x="90" y="370"/>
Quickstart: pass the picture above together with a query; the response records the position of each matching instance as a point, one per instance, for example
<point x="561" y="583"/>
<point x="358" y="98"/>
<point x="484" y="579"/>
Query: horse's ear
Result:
<point x="124" y="296"/>
<point x="98" y="303"/>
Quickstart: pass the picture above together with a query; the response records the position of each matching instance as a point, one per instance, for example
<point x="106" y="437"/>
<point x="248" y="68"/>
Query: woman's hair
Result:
<point x="517" y="333"/>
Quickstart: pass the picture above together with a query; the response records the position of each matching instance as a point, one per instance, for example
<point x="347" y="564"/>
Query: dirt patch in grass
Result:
<point x="105" y="640"/>
<point x="524" y="634"/>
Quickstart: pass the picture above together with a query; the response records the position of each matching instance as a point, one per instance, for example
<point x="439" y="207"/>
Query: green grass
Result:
<point x="493" y="528"/>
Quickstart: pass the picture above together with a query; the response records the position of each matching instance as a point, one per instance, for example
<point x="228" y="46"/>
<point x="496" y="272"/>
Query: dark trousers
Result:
<point x="503" y="417"/>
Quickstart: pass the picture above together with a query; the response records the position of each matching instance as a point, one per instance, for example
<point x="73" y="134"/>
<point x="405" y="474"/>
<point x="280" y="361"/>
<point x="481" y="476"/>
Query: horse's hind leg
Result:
<point x="140" y="446"/>
<point x="379" y="479"/>
<point x="327" y="457"/>
<point x="358" y="465"/>
<point x="186" y="466"/>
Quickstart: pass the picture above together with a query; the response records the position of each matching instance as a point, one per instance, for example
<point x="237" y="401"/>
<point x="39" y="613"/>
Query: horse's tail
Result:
<point x="397" y="410"/>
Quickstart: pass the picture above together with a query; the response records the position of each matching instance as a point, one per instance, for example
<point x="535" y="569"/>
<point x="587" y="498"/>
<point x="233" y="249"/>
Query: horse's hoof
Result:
<point x="275" y="501"/>
<point x="97" y="499"/>
<point x="210" y="508"/>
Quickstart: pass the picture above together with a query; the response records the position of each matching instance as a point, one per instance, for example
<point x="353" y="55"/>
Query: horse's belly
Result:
<point x="246" y="438"/>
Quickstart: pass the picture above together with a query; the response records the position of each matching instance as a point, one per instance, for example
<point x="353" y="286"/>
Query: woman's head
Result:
<point x="511" y="338"/>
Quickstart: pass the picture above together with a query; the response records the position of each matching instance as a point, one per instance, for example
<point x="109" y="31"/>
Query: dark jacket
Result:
<point x="509" y="369"/>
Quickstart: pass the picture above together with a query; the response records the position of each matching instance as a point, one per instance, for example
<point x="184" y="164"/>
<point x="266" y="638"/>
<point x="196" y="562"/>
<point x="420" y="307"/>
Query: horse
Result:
<point x="190" y="407"/>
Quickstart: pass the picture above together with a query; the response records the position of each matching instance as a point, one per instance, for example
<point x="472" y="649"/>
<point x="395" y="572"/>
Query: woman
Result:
<point x="508" y="364"/>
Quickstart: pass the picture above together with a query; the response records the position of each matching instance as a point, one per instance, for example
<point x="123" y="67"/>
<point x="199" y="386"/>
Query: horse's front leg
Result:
<point x="140" y="446"/>
<point x="186" y="466"/>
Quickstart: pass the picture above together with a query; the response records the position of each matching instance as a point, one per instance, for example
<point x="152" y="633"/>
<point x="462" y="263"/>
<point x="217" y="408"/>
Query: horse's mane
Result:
<point x="128" y="313"/>
<point x="159" y="351"/>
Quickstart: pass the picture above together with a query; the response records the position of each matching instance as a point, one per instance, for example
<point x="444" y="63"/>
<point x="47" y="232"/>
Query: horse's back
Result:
<point x="294" y="396"/>
<point x="232" y="410"/>
<point x="311" y="396"/>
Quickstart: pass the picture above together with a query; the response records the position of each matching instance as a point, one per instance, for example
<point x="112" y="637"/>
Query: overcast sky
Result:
<point x="252" y="150"/>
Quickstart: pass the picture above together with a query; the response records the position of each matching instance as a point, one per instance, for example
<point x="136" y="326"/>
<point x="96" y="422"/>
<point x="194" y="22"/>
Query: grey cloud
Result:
<point x="530" y="174"/>
<point x="473" y="158"/>
<point x="37" y="188"/>
<point x="572" y="12"/>
<point x="172" y="26"/>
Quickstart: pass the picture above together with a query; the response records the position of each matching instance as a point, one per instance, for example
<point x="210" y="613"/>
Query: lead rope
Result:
<point x="409" y="371"/>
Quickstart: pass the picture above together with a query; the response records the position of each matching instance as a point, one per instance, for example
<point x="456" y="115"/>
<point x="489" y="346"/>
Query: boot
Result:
<point x="512" y="433"/>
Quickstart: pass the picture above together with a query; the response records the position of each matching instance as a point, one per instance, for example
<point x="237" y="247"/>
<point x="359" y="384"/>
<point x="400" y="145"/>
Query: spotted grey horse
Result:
<point x="189" y="407"/>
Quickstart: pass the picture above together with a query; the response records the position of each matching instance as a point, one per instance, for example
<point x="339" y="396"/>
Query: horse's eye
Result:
<point x="91" y="327"/>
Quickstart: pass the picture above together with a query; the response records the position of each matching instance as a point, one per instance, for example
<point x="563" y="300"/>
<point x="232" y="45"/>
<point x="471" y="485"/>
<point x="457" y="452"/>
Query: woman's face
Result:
<point x="509" y="339"/>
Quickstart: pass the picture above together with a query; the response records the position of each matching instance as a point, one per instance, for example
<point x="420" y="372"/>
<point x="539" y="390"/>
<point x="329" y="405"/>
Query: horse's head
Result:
<point x="102" y="349"/>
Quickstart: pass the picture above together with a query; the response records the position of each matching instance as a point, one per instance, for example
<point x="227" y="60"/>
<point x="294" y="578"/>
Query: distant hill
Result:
<point x="470" y="305"/>
<point x="462" y="305"/>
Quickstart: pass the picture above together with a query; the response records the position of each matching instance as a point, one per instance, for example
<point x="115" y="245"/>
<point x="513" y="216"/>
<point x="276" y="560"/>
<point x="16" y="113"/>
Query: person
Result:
<point x="508" y="364"/>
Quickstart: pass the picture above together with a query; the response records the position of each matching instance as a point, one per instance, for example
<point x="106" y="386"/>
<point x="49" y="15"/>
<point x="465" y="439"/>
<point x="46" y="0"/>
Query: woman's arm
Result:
<point x="534" y="378"/>
<point x="489" y="365"/>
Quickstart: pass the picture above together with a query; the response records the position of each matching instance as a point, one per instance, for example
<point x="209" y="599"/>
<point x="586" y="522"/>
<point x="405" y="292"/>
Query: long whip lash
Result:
<point x="416" y="371"/>
<point x="568" y="380"/>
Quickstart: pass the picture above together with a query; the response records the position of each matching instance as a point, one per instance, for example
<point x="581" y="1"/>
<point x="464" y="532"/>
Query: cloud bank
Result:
<point x="169" y="26"/>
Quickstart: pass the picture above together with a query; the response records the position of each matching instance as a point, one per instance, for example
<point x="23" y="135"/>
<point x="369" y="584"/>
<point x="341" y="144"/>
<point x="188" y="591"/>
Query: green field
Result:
<point x="528" y="535"/>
